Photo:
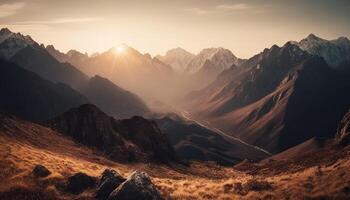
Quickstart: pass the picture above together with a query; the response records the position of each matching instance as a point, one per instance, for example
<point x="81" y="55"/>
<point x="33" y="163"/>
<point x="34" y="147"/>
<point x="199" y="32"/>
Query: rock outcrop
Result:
<point x="109" y="181"/>
<point x="135" y="139"/>
<point x="137" y="186"/>
<point x="343" y="133"/>
<point x="40" y="171"/>
<point x="80" y="182"/>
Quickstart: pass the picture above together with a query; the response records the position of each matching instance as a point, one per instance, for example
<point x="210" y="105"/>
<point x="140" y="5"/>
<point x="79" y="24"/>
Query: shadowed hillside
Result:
<point x="27" y="95"/>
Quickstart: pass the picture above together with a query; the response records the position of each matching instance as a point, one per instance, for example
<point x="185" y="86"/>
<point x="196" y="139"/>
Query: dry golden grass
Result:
<point x="23" y="145"/>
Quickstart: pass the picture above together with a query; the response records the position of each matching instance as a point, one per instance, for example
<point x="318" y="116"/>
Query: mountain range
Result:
<point x="35" y="58"/>
<point x="276" y="99"/>
<point x="274" y="126"/>
<point x="178" y="69"/>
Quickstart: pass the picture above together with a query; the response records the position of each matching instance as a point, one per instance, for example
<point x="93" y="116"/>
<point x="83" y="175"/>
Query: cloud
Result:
<point x="233" y="7"/>
<point x="60" y="21"/>
<point x="9" y="9"/>
<point x="199" y="11"/>
<point x="227" y="8"/>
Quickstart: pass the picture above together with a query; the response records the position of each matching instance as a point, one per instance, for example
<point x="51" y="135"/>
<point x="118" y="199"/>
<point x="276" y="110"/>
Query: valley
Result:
<point x="200" y="122"/>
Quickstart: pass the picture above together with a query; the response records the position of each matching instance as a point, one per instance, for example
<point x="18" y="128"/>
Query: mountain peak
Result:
<point x="214" y="60"/>
<point x="73" y="52"/>
<point x="312" y="36"/>
<point x="335" y="52"/>
<point x="5" y="31"/>
<point x="50" y="47"/>
<point x="177" y="50"/>
<point x="342" y="41"/>
<point x="13" y="42"/>
<point x="178" y="58"/>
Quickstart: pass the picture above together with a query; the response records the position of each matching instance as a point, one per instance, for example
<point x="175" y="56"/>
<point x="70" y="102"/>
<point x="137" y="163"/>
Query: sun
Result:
<point x="119" y="49"/>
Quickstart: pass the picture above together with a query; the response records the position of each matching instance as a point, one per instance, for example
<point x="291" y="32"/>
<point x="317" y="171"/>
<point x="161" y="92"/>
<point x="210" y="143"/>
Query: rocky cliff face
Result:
<point x="343" y="133"/>
<point x="135" y="139"/>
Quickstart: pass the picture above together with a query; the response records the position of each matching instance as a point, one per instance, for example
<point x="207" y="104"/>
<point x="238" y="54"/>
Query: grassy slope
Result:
<point x="23" y="145"/>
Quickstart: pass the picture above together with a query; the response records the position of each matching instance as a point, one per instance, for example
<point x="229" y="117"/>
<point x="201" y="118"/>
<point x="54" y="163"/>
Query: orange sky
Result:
<point x="244" y="27"/>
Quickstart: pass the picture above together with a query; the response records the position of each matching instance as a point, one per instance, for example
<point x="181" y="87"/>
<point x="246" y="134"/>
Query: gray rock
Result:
<point x="80" y="182"/>
<point x="137" y="186"/>
<point x="109" y="181"/>
<point x="41" y="171"/>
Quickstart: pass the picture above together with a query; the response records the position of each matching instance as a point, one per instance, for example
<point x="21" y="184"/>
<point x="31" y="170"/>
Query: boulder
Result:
<point x="40" y="171"/>
<point x="80" y="182"/>
<point x="109" y="181"/>
<point x="137" y="186"/>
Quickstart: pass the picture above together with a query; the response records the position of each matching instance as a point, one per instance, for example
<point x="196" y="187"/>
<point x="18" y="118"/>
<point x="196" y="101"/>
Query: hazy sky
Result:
<point x="243" y="26"/>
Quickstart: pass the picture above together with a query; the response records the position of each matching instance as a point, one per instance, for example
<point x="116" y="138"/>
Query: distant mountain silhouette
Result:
<point x="277" y="99"/>
<point x="205" y="66"/>
<point x="37" y="59"/>
<point x="112" y="99"/>
<point x="140" y="73"/>
<point x="134" y="139"/>
<point x="214" y="59"/>
<point x="30" y="97"/>
<point x="177" y="58"/>
<point x="73" y="57"/>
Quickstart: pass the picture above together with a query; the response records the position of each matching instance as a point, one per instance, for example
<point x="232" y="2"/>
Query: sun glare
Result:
<point x="119" y="50"/>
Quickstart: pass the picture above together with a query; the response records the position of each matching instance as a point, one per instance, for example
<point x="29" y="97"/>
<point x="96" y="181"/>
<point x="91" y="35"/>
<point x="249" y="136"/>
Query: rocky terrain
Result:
<point x="134" y="139"/>
<point x="69" y="171"/>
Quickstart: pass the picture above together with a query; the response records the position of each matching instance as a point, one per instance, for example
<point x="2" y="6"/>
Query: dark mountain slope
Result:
<point x="134" y="139"/>
<point x="26" y="95"/>
<point x="277" y="99"/>
<point x="36" y="59"/>
<point x="318" y="103"/>
<point x="28" y="54"/>
<point x="108" y="96"/>
<point x="194" y="142"/>
<point x="112" y="99"/>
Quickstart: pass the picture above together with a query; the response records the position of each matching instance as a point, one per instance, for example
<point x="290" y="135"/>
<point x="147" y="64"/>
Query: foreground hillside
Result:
<point x="24" y="145"/>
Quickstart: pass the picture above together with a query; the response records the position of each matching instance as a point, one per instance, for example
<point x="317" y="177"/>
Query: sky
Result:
<point x="245" y="27"/>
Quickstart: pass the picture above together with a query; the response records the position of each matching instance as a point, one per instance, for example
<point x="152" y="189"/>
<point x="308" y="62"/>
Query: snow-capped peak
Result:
<point x="219" y="59"/>
<point x="178" y="58"/>
<point x="335" y="52"/>
<point x="11" y="43"/>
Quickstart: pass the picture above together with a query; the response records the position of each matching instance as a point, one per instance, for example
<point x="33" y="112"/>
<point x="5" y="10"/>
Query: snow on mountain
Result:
<point x="335" y="52"/>
<point x="11" y="43"/>
<point x="178" y="58"/>
<point x="4" y="34"/>
<point x="219" y="58"/>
